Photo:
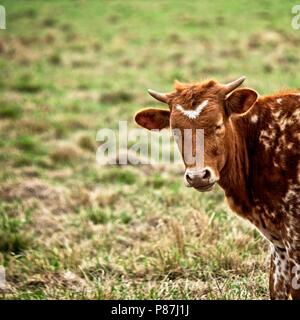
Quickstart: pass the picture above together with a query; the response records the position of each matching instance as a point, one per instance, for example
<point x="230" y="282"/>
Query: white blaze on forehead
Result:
<point x="193" y="114"/>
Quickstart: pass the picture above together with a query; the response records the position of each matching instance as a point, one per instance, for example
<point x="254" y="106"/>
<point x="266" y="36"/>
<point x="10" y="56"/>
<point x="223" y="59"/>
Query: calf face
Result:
<point x="209" y="106"/>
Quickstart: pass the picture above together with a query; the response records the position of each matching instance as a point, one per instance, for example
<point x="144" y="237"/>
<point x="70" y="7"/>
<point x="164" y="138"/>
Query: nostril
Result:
<point x="206" y="174"/>
<point x="189" y="177"/>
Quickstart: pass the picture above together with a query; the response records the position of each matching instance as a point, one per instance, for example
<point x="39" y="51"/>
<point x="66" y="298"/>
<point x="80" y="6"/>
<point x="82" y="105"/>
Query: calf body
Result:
<point x="261" y="182"/>
<point x="251" y="149"/>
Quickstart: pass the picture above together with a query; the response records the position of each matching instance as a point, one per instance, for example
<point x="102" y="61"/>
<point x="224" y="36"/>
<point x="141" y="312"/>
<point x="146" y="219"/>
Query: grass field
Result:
<point x="71" y="229"/>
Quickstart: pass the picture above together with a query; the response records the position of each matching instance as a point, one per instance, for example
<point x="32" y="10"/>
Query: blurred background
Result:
<point x="70" y="228"/>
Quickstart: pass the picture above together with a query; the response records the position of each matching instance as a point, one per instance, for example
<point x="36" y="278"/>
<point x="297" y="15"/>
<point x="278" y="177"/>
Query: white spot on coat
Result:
<point x="254" y="118"/>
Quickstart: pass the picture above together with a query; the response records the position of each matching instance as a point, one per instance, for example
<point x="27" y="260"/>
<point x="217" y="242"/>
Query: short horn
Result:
<point x="162" y="97"/>
<point x="234" y="84"/>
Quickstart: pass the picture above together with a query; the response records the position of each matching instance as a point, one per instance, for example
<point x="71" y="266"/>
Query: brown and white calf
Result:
<point x="251" y="149"/>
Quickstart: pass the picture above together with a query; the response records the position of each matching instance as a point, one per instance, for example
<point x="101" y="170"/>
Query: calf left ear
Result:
<point x="153" y="118"/>
<point x="240" y="100"/>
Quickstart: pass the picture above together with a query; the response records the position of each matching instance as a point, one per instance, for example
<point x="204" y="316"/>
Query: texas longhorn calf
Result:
<point x="251" y="149"/>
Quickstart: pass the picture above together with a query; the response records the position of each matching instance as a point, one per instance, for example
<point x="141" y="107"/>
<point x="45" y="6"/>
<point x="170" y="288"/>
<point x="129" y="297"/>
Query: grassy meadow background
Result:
<point x="71" y="229"/>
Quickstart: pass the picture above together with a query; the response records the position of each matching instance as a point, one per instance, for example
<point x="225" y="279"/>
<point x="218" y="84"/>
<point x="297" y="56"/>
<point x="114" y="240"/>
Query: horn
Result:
<point x="162" y="97"/>
<point x="234" y="84"/>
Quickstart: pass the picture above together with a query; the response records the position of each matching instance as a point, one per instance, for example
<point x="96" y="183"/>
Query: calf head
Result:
<point x="208" y="106"/>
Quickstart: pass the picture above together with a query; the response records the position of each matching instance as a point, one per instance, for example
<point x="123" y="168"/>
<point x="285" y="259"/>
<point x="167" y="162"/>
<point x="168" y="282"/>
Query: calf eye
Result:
<point x="219" y="126"/>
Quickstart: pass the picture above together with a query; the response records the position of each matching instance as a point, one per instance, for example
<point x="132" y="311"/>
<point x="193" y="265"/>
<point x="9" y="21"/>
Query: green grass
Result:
<point x="71" y="68"/>
<point x="13" y="237"/>
<point x="10" y="111"/>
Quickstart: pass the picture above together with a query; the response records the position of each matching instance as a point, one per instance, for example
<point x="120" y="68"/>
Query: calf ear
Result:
<point x="153" y="118"/>
<point x="240" y="100"/>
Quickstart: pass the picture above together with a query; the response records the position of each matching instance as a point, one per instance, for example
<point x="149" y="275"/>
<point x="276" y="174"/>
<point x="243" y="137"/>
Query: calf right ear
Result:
<point x="240" y="100"/>
<point x="153" y="118"/>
